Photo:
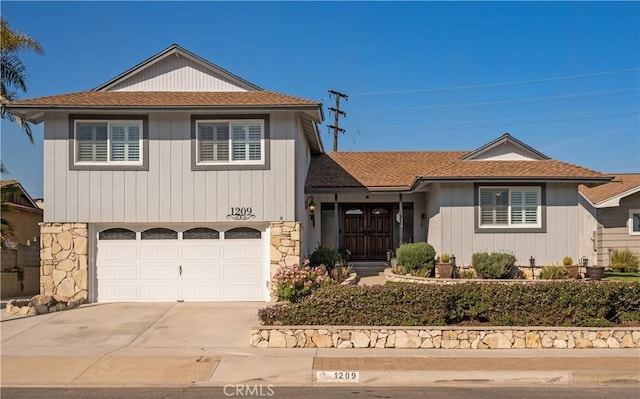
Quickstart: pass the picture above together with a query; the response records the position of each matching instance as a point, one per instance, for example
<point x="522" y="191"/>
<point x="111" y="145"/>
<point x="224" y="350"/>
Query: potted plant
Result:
<point x="445" y="267"/>
<point x="595" y="272"/>
<point x="572" y="269"/>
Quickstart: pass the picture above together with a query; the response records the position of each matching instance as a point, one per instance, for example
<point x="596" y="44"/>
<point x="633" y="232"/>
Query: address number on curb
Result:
<point x="338" y="376"/>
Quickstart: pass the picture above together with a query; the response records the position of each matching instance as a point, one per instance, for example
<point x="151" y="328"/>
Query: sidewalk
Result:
<point x="206" y="344"/>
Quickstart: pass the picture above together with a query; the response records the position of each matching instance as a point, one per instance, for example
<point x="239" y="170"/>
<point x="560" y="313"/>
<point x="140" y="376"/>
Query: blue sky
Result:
<point x="562" y="77"/>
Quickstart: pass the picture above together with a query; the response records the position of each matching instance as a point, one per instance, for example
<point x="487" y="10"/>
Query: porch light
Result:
<point x="311" y="207"/>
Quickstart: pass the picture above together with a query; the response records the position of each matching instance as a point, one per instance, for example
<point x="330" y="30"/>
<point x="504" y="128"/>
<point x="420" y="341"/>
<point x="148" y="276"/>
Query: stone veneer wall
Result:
<point x="285" y="244"/>
<point x="444" y="338"/>
<point x="63" y="261"/>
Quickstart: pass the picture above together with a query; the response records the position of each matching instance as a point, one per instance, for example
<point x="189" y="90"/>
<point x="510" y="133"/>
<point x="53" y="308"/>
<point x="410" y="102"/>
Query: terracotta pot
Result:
<point x="445" y="270"/>
<point x="573" y="270"/>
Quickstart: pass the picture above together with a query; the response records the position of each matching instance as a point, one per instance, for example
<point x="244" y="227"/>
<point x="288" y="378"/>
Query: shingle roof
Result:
<point x="164" y="99"/>
<point x="399" y="170"/>
<point x="4" y="183"/>
<point x="620" y="184"/>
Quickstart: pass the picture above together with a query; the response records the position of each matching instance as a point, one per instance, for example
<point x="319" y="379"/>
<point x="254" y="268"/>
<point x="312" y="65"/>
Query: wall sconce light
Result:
<point x="311" y="207"/>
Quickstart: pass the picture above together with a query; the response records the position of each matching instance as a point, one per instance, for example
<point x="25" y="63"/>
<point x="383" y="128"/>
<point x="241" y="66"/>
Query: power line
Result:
<point x="584" y="75"/>
<point x="499" y="122"/>
<point x="521" y="100"/>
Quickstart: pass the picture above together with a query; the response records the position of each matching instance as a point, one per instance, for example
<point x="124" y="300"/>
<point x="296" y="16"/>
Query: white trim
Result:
<point x="231" y="122"/>
<point x="633" y="212"/>
<point x="109" y="122"/>
<point x="510" y="225"/>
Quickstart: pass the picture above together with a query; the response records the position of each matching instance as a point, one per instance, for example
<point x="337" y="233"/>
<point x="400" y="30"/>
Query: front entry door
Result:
<point x="366" y="230"/>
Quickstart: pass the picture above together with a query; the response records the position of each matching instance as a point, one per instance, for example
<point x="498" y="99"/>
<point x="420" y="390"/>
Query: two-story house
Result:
<point x="177" y="180"/>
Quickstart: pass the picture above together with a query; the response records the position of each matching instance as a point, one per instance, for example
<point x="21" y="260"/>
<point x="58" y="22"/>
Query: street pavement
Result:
<point x="207" y="345"/>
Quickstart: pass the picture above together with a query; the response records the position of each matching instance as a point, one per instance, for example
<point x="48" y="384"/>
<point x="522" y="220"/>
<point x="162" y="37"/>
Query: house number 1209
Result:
<point x="241" y="213"/>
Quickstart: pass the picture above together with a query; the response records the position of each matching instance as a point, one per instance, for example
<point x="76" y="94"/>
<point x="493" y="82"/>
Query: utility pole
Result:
<point x="336" y="112"/>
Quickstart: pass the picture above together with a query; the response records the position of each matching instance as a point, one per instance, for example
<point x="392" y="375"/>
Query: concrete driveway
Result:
<point x="140" y="345"/>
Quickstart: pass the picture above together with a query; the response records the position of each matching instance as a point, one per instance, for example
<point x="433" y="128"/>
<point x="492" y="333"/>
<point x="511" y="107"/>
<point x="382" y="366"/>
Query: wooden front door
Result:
<point x="366" y="230"/>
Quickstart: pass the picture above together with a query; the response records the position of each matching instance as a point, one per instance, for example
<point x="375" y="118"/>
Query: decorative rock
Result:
<point x="583" y="343"/>
<point x="404" y="340"/>
<point x="449" y="344"/>
<point x="497" y="341"/>
<point x="600" y="343"/>
<point x="322" y="341"/>
<point x="627" y="341"/>
<point x="547" y="342"/>
<point x="559" y="343"/>
<point x="66" y="265"/>
<point x="291" y="341"/>
<point x="277" y="339"/>
<point x="66" y="289"/>
<point x="346" y="344"/>
<point x="360" y="340"/>
<point x="391" y="341"/>
<point x="519" y="343"/>
<point x="58" y="276"/>
<point x="612" y="342"/>
<point x="65" y="239"/>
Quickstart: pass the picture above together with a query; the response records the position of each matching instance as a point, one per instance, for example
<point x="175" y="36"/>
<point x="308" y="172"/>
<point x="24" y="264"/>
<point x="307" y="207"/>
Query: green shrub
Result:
<point x="291" y="283"/>
<point x="567" y="261"/>
<point x="554" y="273"/>
<point x="416" y="256"/>
<point x="326" y="256"/>
<point x="445" y="258"/>
<point x="551" y="303"/>
<point x="467" y="274"/>
<point x="493" y="265"/>
<point x="624" y="260"/>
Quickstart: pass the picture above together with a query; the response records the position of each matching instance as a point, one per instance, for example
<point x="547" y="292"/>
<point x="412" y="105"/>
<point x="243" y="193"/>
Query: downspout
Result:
<point x="336" y="219"/>
<point x="400" y="214"/>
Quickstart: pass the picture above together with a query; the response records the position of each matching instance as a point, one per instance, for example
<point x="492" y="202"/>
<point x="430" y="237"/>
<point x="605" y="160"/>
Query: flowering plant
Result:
<point x="295" y="282"/>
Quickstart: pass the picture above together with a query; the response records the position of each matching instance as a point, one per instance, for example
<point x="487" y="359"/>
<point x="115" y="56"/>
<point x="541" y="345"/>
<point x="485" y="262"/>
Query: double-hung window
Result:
<point x="108" y="142"/>
<point x="230" y="142"/>
<point x="510" y="207"/>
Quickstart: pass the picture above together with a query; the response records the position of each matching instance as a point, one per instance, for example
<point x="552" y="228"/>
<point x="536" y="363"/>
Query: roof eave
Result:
<point x="35" y="113"/>
<point x="614" y="201"/>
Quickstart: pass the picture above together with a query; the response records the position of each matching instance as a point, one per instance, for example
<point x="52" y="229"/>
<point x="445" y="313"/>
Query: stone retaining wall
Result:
<point x="63" y="261"/>
<point x="445" y="338"/>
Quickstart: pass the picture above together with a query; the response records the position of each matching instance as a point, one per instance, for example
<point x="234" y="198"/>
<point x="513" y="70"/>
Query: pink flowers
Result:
<point x="295" y="281"/>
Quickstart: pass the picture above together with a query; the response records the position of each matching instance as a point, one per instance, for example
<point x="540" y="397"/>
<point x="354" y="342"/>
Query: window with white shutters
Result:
<point x="510" y="207"/>
<point x="229" y="142"/>
<point x="108" y="142"/>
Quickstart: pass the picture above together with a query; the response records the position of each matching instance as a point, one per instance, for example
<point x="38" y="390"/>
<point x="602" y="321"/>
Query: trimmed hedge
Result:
<point x="580" y="304"/>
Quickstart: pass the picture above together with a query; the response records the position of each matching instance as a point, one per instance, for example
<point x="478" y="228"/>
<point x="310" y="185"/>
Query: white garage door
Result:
<point x="165" y="265"/>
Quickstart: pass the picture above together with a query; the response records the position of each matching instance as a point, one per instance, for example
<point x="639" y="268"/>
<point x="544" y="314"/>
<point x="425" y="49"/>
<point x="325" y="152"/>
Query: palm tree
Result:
<point x="13" y="71"/>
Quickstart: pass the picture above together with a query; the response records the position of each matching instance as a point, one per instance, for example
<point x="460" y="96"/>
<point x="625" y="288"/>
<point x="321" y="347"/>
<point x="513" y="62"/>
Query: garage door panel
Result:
<point x="118" y="293"/>
<point x="201" y="252"/>
<point x="159" y="251"/>
<point x="251" y="250"/>
<point x="159" y="272"/>
<point x="117" y="272"/>
<point x="117" y="252"/>
<point x="158" y="292"/>
<point x="201" y="272"/>
<point x="201" y="292"/>
<point x="241" y="271"/>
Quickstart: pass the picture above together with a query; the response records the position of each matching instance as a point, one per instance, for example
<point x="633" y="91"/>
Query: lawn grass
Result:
<point x="622" y="276"/>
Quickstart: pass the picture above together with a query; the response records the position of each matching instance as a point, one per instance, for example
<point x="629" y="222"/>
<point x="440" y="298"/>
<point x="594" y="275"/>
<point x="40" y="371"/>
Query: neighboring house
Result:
<point x="21" y="245"/>
<point x="615" y="215"/>
<point x="503" y="196"/>
<point x="177" y="180"/>
<point x="22" y="215"/>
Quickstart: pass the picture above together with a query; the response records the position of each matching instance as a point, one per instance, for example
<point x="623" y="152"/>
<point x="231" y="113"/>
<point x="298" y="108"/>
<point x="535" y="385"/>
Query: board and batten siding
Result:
<point x="169" y="192"/>
<point x="176" y="74"/>
<point x="613" y="229"/>
<point x="561" y="238"/>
